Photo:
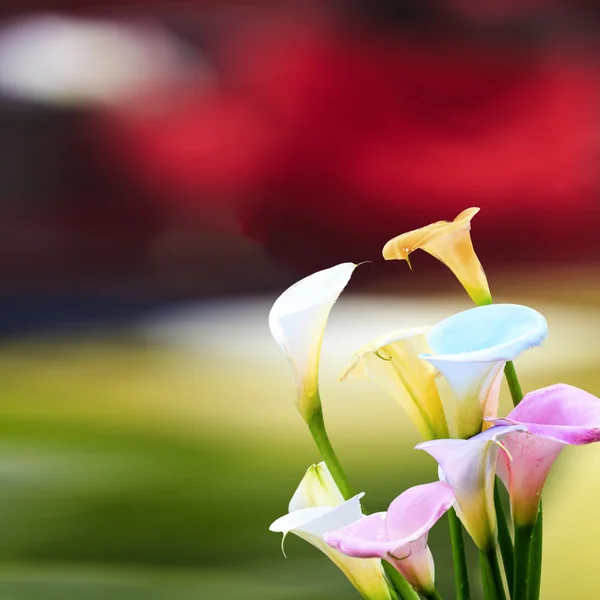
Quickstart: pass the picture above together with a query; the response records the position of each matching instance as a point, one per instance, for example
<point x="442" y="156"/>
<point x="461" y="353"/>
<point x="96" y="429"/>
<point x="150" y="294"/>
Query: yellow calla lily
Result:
<point x="392" y="362"/>
<point x="449" y="242"/>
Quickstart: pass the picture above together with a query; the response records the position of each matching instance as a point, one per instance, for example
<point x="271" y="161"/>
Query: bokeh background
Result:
<point x="168" y="168"/>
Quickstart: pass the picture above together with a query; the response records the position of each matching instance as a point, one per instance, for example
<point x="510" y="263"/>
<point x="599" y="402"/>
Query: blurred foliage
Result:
<point x="102" y="494"/>
<point x="135" y="470"/>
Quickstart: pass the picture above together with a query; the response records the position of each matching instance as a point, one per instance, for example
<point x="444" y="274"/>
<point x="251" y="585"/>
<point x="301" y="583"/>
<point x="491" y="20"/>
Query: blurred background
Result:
<point x="168" y="168"/>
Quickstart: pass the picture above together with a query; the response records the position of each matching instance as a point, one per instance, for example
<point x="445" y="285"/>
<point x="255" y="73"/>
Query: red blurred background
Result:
<point x="291" y="133"/>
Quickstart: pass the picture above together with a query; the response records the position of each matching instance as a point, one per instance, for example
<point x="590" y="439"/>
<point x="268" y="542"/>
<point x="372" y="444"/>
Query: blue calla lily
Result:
<point x="470" y="350"/>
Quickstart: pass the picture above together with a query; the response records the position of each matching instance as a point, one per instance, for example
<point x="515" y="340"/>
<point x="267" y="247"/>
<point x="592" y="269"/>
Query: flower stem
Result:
<point x="535" y="559"/>
<point x="461" y="575"/>
<point x="513" y="382"/>
<point x="432" y="596"/>
<point x="532" y="570"/>
<point x="403" y="588"/>
<point x="504" y="538"/>
<point x="521" y="581"/>
<point x="316" y="424"/>
<point x="493" y="586"/>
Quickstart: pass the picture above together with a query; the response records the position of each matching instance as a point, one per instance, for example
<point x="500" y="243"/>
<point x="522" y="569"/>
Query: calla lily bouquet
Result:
<point x="385" y="555"/>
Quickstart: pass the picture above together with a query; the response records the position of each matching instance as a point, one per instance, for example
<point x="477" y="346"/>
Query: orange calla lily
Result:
<point x="449" y="242"/>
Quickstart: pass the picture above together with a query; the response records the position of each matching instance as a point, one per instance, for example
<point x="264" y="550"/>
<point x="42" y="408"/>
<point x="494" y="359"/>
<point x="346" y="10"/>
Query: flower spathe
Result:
<point x="316" y="507"/>
<point x="297" y="321"/>
<point x="470" y="350"/>
<point x="449" y="242"/>
<point x="400" y="535"/>
<point x="392" y="362"/>
<point x="553" y="417"/>
<point x="469" y="467"/>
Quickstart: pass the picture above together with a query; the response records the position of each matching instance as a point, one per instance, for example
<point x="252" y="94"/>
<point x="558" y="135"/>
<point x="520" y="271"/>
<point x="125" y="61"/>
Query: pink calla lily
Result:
<point x="400" y="535"/>
<point x="553" y="417"/>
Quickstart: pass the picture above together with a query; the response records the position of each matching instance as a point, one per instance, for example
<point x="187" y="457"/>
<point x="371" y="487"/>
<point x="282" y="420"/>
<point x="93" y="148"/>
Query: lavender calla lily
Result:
<point x="297" y="321"/>
<point x="400" y="534"/>
<point x="552" y="418"/>
<point x="318" y="506"/>
<point x="469" y="467"/>
<point x="470" y="350"/>
<point x="392" y="362"/>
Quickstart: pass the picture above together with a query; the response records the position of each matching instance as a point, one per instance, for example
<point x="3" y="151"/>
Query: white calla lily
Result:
<point x="297" y="321"/>
<point x="317" y="507"/>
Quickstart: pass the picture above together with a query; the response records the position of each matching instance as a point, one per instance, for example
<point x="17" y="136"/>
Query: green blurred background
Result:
<point x="147" y="460"/>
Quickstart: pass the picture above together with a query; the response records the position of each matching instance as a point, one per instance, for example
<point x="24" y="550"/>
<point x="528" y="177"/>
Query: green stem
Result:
<point x="535" y="559"/>
<point x="521" y="582"/>
<point x="316" y="424"/>
<point x="461" y="575"/>
<point x="513" y="382"/>
<point x="504" y="538"/>
<point x="531" y="571"/>
<point x="432" y="596"/>
<point x="403" y="588"/>
<point x="493" y="586"/>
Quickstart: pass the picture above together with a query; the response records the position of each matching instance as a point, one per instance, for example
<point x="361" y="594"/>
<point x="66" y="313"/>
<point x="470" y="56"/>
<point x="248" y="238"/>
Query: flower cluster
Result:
<point x="385" y="555"/>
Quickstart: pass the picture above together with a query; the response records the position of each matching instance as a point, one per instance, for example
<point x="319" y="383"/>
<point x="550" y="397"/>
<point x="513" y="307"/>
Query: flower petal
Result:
<point x="471" y="348"/>
<point x="410" y="517"/>
<point x="450" y="243"/>
<point x="412" y="559"/>
<point x="560" y="412"/>
<point x="393" y="363"/>
<point x="525" y="475"/>
<point x="488" y="333"/>
<point x="414" y="512"/>
<point x="400" y="535"/>
<point x="317" y="488"/>
<point x="415" y="563"/>
<point x="319" y="519"/>
<point x="299" y="518"/>
<point x="311" y="523"/>
<point x="473" y="384"/>
<point x="469" y="467"/>
<point x="365" y="538"/>
<point x="297" y="321"/>
<point x="490" y="403"/>
<point x="553" y="417"/>
<point x="317" y="506"/>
